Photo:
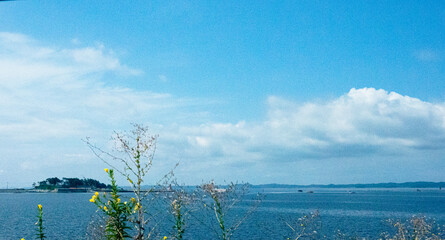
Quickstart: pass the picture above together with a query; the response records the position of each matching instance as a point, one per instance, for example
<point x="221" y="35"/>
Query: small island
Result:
<point x="55" y="184"/>
<point x="64" y="185"/>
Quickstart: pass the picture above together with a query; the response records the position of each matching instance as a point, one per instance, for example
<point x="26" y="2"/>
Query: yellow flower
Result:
<point x="92" y="200"/>
<point x="165" y="237"/>
<point x="118" y="200"/>
<point x="40" y="206"/>
<point x="125" y="203"/>
<point x="136" y="207"/>
<point x="96" y="194"/>
<point x="22" y="239"/>
<point x="105" y="208"/>
<point x="133" y="199"/>
<point x="106" y="170"/>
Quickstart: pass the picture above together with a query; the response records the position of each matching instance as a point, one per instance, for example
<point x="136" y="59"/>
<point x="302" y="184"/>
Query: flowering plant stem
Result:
<point x="40" y="234"/>
<point x="118" y="213"/>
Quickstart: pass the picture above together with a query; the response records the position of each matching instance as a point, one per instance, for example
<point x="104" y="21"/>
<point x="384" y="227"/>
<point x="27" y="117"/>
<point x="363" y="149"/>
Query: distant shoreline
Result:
<point x="66" y="190"/>
<point x="438" y="185"/>
<point x="418" y="185"/>
<point x="57" y="190"/>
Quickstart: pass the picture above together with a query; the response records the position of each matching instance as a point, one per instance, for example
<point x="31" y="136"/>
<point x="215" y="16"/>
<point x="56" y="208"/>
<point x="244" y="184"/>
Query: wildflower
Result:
<point x="22" y="239"/>
<point x="118" y="200"/>
<point x="40" y="206"/>
<point x="92" y="200"/>
<point x="175" y="205"/>
<point x="125" y="203"/>
<point x="165" y="237"/>
<point x="106" y="170"/>
<point x="136" y="207"/>
<point x="133" y="199"/>
<point x="96" y="194"/>
<point x="105" y="208"/>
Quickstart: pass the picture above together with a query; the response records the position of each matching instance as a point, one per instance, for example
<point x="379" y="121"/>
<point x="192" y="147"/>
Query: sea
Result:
<point x="263" y="213"/>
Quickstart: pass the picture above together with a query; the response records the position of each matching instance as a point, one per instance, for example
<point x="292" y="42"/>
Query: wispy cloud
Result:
<point x="51" y="97"/>
<point x="427" y="55"/>
<point x="47" y="91"/>
<point x="163" y="78"/>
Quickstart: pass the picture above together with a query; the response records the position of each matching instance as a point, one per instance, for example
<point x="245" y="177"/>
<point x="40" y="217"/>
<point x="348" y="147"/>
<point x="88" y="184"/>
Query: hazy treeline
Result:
<point x="55" y="182"/>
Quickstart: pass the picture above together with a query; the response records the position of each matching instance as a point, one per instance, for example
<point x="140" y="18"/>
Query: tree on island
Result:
<point x="54" y="182"/>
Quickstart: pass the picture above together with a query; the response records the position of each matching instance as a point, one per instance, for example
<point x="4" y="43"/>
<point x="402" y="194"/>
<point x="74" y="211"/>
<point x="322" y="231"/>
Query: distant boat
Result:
<point x="220" y="190"/>
<point x="310" y="191"/>
<point x="299" y="190"/>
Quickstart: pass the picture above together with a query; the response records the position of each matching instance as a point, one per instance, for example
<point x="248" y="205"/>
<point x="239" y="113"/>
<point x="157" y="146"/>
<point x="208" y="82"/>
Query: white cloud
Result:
<point x="98" y="59"/>
<point x="57" y="92"/>
<point x="366" y="120"/>
<point x="362" y="125"/>
<point x="363" y="117"/>
<point x="52" y="97"/>
<point x="23" y="61"/>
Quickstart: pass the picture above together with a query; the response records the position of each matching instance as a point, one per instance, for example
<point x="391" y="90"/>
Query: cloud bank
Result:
<point x="364" y="126"/>
<point x="51" y="97"/>
<point x="363" y="121"/>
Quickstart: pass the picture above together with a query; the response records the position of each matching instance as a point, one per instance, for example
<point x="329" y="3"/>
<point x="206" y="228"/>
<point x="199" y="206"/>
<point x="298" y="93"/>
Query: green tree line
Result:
<point x="55" y="182"/>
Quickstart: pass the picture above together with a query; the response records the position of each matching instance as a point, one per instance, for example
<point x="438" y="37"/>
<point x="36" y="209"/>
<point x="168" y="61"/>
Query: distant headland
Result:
<point x="90" y="185"/>
<point x="419" y="184"/>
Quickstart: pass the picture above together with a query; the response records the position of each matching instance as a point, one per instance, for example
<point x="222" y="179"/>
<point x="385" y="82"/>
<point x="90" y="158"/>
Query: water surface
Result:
<point x="364" y="213"/>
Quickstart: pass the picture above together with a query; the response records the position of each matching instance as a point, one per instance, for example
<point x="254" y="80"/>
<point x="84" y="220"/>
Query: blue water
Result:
<point x="363" y="214"/>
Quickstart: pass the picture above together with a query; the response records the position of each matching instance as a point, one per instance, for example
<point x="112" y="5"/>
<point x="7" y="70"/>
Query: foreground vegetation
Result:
<point x="127" y="217"/>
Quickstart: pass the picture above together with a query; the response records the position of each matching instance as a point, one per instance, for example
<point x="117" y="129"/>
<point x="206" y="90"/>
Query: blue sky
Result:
<point x="292" y="92"/>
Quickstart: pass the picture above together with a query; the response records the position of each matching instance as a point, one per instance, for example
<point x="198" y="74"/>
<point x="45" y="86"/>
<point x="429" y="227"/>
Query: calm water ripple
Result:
<point x="66" y="216"/>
